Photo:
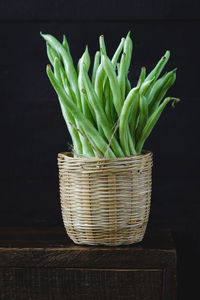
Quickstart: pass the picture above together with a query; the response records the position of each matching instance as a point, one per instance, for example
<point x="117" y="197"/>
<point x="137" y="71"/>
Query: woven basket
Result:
<point x="105" y="201"/>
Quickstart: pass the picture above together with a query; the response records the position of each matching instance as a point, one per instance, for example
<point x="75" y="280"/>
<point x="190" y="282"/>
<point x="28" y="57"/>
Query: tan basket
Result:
<point x="105" y="201"/>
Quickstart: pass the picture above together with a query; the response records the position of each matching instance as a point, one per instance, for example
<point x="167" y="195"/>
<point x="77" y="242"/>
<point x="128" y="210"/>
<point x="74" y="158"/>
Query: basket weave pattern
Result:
<point x="105" y="201"/>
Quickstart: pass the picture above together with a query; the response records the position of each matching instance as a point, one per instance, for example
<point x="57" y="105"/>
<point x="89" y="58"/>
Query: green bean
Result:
<point x="146" y="86"/>
<point x="92" y="107"/>
<point x="157" y="88"/>
<point x="124" y="117"/>
<point x="98" y="88"/>
<point x="66" y="46"/>
<point x="102" y="44"/>
<point x="109" y="109"/>
<point x="66" y="114"/>
<point x="86" y="59"/>
<point x="65" y="43"/>
<point x="68" y="117"/>
<point x="134" y="112"/>
<point x="100" y="114"/>
<point x="62" y="78"/>
<point x="142" y="76"/>
<point x="118" y="66"/>
<point x="86" y="148"/>
<point x="69" y="67"/>
<point x="68" y="105"/>
<point x="151" y="122"/>
<point x="131" y="143"/>
<point x="53" y="53"/>
<point x="115" y="88"/>
<point x="143" y="116"/>
<point x="117" y="53"/>
<point x="156" y="101"/>
<point x="78" y="67"/>
<point x="54" y="58"/>
<point x="114" y="62"/>
<point x="122" y="74"/>
<point x="128" y="86"/>
<point x="98" y="85"/>
<point x="95" y="66"/>
<point x="87" y="109"/>
<point x="125" y="147"/>
<point x="100" y="73"/>
<point x="58" y="70"/>
<point x="69" y="90"/>
<point x="65" y="83"/>
<point x="50" y="53"/>
<point x="159" y="67"/>
<point x="124" y="65"/>
<point x="128" y="46"/>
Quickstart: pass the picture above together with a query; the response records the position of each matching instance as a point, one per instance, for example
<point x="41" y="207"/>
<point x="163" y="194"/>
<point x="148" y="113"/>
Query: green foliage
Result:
<point x="105" y="115"/>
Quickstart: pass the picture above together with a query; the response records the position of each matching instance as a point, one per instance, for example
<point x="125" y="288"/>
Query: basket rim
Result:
<point x="68" y="155"/>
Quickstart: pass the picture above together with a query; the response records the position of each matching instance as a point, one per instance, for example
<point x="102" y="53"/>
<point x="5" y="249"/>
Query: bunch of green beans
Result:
<point x="105" y="115"/>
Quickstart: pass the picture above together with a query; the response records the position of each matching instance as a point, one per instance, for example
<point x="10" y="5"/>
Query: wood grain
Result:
<point x="43" y="263"/>
<point x="52" y="248"/>
<point x="83" y="284"/>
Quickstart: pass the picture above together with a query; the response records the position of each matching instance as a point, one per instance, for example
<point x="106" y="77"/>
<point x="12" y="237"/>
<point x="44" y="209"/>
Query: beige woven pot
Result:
<point x="105" y="201"/>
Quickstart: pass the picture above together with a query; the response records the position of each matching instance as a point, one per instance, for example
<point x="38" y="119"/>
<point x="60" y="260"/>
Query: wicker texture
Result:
<point x="105" y="201"/>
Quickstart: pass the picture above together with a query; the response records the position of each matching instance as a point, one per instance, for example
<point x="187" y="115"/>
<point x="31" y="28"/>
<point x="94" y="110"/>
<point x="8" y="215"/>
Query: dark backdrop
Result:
<point x="33" y="130"/>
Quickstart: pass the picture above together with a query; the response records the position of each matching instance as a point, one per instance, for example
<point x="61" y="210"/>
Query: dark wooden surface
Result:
<point x="43" y="263"/>
<point x="67" y="284"/>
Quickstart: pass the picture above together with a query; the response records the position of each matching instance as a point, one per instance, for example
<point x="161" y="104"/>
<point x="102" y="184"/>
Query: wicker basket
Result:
<point x="105" y="201"/>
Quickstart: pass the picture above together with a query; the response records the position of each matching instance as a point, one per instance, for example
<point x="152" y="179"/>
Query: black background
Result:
<point x="33" y="131"/>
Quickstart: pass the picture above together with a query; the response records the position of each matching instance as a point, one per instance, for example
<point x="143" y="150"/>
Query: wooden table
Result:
<point x="44" y="264"/>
